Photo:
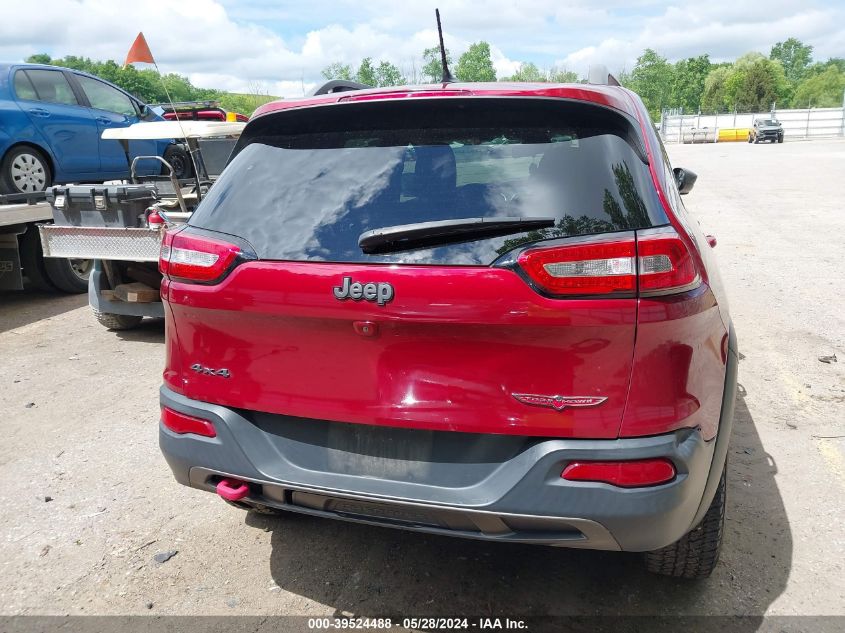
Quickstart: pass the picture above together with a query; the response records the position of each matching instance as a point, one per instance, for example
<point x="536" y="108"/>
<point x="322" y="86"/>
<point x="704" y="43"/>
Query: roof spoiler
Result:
<point x="598" y="75"/>
<point x="338" y="85"/>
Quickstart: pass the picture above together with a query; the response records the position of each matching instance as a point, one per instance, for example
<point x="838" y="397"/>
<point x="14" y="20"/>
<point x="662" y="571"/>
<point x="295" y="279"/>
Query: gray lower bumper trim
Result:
<point x="423" y="517"/>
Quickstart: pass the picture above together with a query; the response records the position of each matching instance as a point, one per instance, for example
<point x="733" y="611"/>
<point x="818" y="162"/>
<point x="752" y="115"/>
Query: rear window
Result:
<point x="304" y="185"/>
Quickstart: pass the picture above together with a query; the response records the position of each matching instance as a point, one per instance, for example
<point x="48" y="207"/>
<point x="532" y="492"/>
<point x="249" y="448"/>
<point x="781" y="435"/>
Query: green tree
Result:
<point x="475" y="64"/>
<point x="337" y="70"/>
<point x="562" y="76"/>
<point x="794" y="56"/>
<point x="688" y="80"/>
<point x="837" y="62"/>
<point x="822" y="90"/>
<point x="387" y="74"/>
<point x="39" y="58"/>
<point x="366" y="73"/>
<point x="819" y="67"/>
<point x="754" y="83"/>
<point x="243" y="103"/>
<point x="713" y="97"/>
<point x="651" y="78"/>
<point x="527" y="72"/>
<point x="432" y="69"/>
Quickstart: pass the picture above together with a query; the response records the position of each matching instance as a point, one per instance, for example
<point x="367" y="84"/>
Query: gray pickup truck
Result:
<point x="766" y="130"/>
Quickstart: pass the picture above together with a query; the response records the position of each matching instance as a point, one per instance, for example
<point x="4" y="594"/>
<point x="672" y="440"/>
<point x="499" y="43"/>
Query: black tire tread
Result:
<point x="60" y="275"/>
<point x="695" y="555"/>
<point x="117" y="321"/>
<point x="177" y="151"/>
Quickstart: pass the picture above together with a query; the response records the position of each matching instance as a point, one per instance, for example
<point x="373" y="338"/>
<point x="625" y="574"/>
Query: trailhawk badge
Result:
<point x="381" y="292"/>
<point x="558" y="403"/>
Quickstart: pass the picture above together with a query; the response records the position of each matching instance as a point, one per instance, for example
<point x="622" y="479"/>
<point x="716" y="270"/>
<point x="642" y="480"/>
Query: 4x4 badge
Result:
<point x="381" y="292"/>
<point x="558" y="403"/>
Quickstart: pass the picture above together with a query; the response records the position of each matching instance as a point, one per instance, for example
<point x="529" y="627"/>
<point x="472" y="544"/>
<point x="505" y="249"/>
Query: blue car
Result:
<point x="51" y="121"/>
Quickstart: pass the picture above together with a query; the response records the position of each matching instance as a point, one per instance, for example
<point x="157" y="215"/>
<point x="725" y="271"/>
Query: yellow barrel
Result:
<point x="733" y="134"/>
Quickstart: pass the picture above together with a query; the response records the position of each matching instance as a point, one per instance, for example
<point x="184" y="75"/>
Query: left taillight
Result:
<point x="192" y="258"/>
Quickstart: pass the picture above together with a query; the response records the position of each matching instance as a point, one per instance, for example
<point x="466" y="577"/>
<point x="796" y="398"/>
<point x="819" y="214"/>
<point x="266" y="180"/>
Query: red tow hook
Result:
<point x="232" y="489"/>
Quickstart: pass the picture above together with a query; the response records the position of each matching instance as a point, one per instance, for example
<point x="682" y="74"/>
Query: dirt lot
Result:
<point x="79" y="413"/>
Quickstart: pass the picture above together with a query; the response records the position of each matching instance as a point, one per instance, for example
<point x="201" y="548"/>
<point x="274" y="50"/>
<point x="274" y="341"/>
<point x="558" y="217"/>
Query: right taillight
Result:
<point x="665" y="264"/>
<point x="596" y="268"/>
<point x="654" y="263"/>
<point x="186" y="257"/>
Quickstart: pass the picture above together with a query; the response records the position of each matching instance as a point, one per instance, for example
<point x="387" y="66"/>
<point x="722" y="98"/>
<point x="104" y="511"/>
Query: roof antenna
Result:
<point x="447" y="76"/>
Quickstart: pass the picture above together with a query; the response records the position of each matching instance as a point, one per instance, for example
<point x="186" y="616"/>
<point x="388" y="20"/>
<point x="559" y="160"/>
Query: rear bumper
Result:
<point x="501" y="488"/>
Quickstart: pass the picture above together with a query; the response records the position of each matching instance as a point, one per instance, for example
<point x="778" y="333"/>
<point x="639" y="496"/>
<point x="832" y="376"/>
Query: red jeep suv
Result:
<point x="477" y="310"/>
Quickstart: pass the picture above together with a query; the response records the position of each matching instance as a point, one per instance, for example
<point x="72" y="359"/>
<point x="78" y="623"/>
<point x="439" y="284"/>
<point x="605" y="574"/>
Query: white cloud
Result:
<point x="724" y="29"/>
<point x="240" y="44"/>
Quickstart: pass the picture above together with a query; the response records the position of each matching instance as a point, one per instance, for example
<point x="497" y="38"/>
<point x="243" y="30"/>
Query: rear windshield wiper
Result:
<point x="403" y="237"/>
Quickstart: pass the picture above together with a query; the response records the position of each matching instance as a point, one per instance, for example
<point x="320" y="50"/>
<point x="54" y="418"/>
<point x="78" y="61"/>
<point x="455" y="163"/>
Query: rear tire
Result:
<point x="117" y="321"/>
<point x="68" y="275"/>
<point x="696" y="554"/>
<point x="750" y="139"/>
<point x="180" y="161"/>
<point x="24" y="169"/>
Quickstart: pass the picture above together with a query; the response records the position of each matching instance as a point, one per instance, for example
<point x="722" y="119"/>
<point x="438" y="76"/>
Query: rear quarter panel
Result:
<point x="680" y="355"/>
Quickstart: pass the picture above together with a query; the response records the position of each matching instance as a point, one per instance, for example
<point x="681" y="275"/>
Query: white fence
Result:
<point x="797" y="124"/>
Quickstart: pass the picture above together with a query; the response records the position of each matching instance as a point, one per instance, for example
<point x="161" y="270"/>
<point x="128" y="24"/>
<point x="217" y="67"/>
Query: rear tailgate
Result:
<point x="449" y="352"/>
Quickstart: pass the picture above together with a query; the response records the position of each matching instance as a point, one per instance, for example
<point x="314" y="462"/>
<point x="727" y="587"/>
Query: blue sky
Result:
<point x="280" y="47"/>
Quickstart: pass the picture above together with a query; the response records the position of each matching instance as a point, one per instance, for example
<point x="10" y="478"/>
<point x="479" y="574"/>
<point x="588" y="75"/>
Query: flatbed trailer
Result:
<point x="21" y="254"/>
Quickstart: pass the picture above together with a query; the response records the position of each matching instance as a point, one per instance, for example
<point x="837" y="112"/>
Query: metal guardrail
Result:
<point x="797" y="123"/>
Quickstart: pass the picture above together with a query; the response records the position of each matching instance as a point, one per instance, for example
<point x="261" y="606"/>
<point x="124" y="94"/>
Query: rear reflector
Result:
<point x="192" y="258"/>
<point x="583" y="269"/>
<point x="182" y="423"/>
<point x="631" y="474"/>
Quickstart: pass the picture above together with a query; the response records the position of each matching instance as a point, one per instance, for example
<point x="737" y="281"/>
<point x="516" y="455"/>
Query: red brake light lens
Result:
<point x="656" y="263"/>
<point x="182" y="423"/>
<point x="630" y="474"/>
<point x="665" y="263"/>
<point x="583" y="269"/>
<point x="192" y="258"/>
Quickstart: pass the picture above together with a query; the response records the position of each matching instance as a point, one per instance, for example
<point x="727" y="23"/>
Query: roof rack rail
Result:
<point x="599" y="76"/>
<point x="338" y="85"/>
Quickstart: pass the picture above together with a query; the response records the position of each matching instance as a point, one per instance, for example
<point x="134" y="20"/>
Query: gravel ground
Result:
<point x="89" y="502"/>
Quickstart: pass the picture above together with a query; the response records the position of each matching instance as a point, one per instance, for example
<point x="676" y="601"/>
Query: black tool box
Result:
<point x="101" y="205"/>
